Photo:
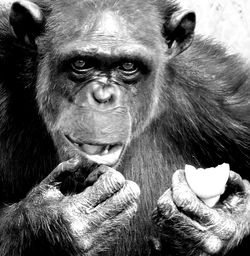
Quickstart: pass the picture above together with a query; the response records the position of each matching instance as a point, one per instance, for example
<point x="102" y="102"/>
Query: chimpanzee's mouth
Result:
<point x="107" y="154"/>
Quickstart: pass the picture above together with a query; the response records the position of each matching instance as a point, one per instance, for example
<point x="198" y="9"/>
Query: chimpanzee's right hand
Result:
<point x="83" y="223"/>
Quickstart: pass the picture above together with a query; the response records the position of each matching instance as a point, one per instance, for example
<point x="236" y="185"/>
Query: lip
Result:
<point x="107" y="154"/>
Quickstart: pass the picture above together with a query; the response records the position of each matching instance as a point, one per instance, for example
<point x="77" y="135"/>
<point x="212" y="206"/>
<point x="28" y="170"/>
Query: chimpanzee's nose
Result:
<point x="104" y="94"/>
<point x="99" y="95"/>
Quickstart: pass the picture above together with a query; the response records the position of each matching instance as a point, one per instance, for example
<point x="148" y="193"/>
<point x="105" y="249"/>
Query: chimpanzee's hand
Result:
<point x="189" y="227"/>
<point x="89" y="219"/>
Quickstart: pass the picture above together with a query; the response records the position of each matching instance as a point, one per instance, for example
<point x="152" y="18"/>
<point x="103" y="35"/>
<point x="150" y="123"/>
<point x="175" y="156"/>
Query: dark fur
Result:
<point x="203" y="120"/>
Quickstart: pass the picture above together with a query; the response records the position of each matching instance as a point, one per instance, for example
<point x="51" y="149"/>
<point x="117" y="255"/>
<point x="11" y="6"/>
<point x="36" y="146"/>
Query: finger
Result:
<point x="119" y="201"/>
<point x="247" y="186"/>
<point x="186" y="232"/>
<point x="235" y="183"/>
<point x="107" y="184"/>
<point x="119" y="208"/>
<point x="109" y="230"/>
<point x="167" y="214"/>
<point x="165" y="210"/>
<point x="187" y="202"/>
<point x="116" y="204"/>
<point x="62" y="171"/>
<point x="165" y="204"/>
<point x="184" y="198"/>
<point x="172" y="221"/>
<point x="235" y="192"/>
<point x="123" y="218"/>
<point x="212" y="244"/>
<point x="189" y="232"/>
<point x="93" y="176"/>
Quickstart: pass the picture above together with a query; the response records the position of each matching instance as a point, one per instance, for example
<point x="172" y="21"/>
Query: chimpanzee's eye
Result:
<point x="81" y="65"/>
<point x="128" y="68"/>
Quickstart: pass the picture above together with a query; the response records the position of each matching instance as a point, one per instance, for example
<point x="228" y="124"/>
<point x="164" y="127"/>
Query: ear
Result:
<point x="27" y="21"/>
<point x="179" y="31"/>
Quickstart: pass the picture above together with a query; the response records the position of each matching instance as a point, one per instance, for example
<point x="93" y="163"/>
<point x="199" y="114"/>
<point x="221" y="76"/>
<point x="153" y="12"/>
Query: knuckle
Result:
<point x="166" y="198"/>
<point x="113" y="179"/>
<point x="124" y="218"/>
<point x="213" y="244"/>
<point x="228" y="229"/>
<point x="165" y="205"/>
<point x="45" y="191"/>
<point x="177" y="177"/>
<point x="78" y="227"/>
<point x="132" y="210"/>
<point x="182" y="198"/>
<point x="52" y="193"/>
<point x="86" y="244"/>
<point x="222" y="225"/>
<point x="132" y="190"/>
<point x="181" y="194"/>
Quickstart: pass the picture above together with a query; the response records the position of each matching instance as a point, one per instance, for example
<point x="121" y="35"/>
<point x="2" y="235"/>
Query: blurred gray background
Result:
<point x="225" y="20"/>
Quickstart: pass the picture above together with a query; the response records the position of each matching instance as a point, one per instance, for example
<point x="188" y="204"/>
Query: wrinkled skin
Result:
<point x="100" y="103"/>
<point x="211" y="230"/>
<point x="107" y="204"/>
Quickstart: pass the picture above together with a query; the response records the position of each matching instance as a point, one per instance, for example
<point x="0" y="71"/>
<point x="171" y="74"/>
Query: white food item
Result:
<point x="208" y="184"/>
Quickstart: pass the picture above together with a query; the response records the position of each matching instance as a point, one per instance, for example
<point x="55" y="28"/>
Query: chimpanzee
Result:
<point x="98" y="94"/>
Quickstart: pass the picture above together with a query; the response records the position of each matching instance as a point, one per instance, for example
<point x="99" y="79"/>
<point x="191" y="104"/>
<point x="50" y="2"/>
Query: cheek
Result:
<point x="143" y="103"/>
<point x="48" y="98"/>
<point x="47" y="101"/>
<point x="52" y="95"/>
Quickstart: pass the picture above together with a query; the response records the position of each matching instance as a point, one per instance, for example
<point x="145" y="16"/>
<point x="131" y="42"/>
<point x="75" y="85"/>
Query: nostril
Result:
<point x="102" y="95"/>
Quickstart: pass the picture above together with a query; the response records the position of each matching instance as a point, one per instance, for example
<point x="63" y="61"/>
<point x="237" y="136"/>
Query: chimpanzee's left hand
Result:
<point x="189" y="227"/>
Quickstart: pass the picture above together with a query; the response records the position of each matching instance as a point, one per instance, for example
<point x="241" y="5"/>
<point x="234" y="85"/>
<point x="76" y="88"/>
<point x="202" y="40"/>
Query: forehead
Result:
<point x="107" y="21"/>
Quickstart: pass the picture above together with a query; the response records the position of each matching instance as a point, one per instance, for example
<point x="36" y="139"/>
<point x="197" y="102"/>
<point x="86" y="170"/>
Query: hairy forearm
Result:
<point x="13" y="230"/>
<point x="26" y="229"/>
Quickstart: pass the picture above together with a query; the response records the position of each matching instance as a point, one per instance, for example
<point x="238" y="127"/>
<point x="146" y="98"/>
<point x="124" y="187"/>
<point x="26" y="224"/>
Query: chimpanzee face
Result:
<point x="97" y="83"/>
